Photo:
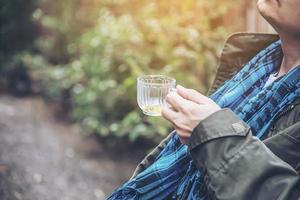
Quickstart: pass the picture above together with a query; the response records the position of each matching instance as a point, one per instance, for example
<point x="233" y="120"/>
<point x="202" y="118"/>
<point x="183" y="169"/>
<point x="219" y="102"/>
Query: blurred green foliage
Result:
<point x="92" y="52"/>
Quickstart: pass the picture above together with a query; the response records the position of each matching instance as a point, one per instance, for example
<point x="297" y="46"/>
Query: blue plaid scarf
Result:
<point x="173" y="175"/>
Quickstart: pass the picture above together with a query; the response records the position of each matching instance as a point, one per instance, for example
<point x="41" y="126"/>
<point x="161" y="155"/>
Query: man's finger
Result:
<point x="182" y="91"/>
<point x="175" y="100"/>
<point x="168" y="114"/>
<point x="191" y="95"/>
<point x="172" y="116"/>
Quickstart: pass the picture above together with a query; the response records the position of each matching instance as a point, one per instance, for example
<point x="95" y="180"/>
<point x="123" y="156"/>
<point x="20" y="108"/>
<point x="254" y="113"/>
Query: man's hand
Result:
<point x="188" y="108"/>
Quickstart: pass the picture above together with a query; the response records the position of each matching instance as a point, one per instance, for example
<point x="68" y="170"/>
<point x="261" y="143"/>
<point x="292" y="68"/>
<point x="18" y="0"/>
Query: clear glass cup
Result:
<point x="152" y="91"/>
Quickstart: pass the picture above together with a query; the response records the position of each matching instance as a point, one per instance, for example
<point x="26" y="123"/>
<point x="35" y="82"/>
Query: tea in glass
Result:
<point x="152" y="91"/>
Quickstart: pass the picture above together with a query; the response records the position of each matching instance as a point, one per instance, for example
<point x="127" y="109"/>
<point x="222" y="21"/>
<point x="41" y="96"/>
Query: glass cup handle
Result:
<point x="173" y="90"/>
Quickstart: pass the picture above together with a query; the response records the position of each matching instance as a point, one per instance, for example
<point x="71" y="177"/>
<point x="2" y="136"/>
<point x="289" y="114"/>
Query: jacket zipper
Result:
<point x="286" y="110"/>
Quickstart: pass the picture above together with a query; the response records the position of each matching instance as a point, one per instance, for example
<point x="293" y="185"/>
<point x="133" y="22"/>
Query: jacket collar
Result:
<point x="238" y="49"/>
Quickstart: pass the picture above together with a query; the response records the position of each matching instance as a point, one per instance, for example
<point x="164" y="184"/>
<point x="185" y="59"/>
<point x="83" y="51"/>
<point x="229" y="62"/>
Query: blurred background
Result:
<point x="70" y="127"/>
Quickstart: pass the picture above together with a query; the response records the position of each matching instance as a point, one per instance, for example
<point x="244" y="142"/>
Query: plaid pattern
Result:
<point x="173" y="175"/>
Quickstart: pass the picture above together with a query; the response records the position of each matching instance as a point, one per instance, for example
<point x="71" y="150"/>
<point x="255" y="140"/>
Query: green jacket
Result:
<point x="238" y="166"/>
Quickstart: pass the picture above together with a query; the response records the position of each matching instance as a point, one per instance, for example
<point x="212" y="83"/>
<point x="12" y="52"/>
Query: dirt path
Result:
<point x="41" y="159"/>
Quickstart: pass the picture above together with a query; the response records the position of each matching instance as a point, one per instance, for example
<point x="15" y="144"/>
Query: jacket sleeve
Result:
<point x="239" y="166"/>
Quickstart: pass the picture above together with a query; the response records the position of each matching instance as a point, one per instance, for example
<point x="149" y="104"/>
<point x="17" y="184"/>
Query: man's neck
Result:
<point x="291" y="54"/>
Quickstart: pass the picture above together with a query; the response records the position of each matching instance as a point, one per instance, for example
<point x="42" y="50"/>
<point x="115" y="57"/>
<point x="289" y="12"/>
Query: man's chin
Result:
<point x="267" y="8"/>
<point x="267" y="12"/>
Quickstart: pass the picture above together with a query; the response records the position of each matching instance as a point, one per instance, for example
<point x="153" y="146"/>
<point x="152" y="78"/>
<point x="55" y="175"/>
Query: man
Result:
<point x="223" y="158"/>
